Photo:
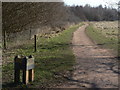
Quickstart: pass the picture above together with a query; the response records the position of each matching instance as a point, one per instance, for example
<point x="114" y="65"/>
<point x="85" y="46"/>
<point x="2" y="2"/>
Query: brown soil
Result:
<point x="95" y="67"/>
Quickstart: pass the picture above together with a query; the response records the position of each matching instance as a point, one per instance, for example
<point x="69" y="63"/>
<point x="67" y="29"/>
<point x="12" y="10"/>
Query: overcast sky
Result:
<point x="92" y="2"/>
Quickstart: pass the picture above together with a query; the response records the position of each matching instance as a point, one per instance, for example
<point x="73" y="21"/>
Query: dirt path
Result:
<point x="95" y="67"/>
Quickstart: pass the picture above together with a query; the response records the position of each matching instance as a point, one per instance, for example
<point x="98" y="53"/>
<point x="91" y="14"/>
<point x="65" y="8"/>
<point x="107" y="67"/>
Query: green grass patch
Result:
<point x="99" y="38"/>
<point x="53" y="58"/>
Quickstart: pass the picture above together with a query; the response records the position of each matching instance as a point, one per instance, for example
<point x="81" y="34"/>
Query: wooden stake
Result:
<point x="35" y="43"/>
<point x="4" y="34"/>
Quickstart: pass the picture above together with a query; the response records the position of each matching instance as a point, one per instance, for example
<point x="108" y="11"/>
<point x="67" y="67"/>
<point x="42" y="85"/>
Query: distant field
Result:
<point x="104" y="34"/>
<point x="108" y="29"/>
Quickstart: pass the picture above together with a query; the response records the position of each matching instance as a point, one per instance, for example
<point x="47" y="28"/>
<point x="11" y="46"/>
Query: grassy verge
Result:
<point x="53" y="58"/>
<point x="100" y="39"/>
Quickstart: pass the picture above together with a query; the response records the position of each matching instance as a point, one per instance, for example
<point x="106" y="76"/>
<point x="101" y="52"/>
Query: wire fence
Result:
<point x="23" y="37"/>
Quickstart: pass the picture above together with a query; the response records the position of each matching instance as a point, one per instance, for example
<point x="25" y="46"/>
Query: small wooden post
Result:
<point x="35" y="43"/>
<point x="4" y="38"/>
<point x="26" y="64"/>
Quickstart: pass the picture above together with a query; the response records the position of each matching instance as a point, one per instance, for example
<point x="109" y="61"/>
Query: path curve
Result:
<point x="95" y="67"/>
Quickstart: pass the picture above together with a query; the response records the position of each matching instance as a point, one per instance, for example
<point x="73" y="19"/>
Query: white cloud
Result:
<point x="91" y="2"/>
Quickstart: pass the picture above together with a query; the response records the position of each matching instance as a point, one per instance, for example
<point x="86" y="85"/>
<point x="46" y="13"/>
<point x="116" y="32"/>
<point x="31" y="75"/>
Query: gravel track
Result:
<point x="95" y="67"/>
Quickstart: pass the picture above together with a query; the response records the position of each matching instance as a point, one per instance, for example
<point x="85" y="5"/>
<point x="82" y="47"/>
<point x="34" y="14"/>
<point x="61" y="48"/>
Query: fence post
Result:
<point x="35" y="43"/>
<point x="4" y="38"/>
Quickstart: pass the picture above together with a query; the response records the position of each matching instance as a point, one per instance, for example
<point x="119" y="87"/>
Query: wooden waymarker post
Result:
<point x="26" y="64"/>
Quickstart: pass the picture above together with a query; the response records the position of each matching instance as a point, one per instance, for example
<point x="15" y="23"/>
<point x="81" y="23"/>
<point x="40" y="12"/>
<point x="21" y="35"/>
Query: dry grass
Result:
<point x="108" y="29"/>
<point x="104" y="34"/>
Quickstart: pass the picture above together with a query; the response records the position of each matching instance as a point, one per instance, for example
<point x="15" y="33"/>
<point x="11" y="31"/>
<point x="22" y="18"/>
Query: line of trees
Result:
<point x="95" y="13"/>
<point x="20" y="16"/>
<point x="16" y="16"/>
